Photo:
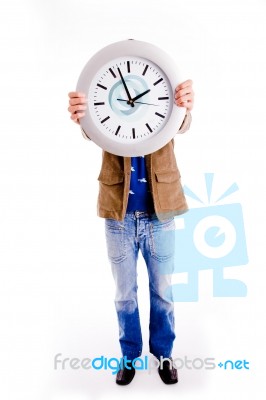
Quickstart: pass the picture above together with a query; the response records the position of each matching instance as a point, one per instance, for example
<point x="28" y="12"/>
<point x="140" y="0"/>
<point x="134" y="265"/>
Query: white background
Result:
<point x="56" y="285"/>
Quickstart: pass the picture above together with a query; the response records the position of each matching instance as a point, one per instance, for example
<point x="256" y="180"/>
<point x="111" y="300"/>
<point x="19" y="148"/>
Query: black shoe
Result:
<point x="125" y="375"/>
<point x="167" y="374"/>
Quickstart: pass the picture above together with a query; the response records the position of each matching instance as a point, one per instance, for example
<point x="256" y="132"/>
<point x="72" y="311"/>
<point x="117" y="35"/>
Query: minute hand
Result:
<point x="126" y="89"/>
<point x="140" y="95"/>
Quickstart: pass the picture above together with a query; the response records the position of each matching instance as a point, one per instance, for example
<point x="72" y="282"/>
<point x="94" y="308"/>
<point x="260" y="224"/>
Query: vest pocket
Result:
<point x="111" y="177"/>
<point x="111" y="190"/>
<point x="169" y="190"/>
<point x="167" y="176"/>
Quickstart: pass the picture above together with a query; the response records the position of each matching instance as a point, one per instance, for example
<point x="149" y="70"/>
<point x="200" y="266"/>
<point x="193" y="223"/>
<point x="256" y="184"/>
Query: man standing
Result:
<point x="139" y="198"/>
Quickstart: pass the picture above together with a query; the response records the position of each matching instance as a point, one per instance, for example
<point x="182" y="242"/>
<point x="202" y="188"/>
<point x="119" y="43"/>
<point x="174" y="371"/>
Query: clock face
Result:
<point x="130" y="99"/>
<point x="130" y="86"/>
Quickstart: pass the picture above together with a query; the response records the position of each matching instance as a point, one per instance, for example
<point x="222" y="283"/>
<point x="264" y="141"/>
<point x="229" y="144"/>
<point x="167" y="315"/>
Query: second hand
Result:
<point x="140" y="102"/>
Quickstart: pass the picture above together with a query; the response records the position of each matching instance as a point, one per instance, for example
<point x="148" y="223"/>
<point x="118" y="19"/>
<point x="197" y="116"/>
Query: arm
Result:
<point x="184" y="97"/>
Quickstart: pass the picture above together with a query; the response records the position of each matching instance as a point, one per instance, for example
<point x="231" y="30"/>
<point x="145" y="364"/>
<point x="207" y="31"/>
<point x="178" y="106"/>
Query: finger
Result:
<point x="77" y="116"/>
<point x="187" y="104"/>
<point x="184" y="92"/>
<point x="187" y="97"/>
<point x="76" y="94"/>
<point x="184" y="84"/>
<point x="76" y="120"/>
<point x="76" y="108"/>
<point x="77" y="100"/>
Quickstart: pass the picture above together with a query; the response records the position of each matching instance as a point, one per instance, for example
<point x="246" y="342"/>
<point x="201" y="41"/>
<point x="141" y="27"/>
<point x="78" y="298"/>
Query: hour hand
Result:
<point x="126" y="88"/>
<point x="140" y="95"/>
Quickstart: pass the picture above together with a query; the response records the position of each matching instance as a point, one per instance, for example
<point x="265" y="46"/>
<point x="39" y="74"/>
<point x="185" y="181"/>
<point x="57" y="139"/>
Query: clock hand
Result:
<point x="140" y="102"/>
<point x="126" y="89"/>
<point x="140" y="95"/>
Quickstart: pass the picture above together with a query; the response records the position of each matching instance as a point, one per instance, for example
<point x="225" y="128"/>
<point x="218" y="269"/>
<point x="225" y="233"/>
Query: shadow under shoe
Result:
<point x="125" y="375"/>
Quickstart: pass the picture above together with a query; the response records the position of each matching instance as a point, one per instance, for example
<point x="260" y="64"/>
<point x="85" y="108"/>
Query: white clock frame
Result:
<point x="165" y="63"/>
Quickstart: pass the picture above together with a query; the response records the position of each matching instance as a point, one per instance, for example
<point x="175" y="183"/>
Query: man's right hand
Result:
<point x="77" y="105"/>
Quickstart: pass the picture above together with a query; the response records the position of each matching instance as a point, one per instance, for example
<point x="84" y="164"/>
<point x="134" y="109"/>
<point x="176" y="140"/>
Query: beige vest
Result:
<point x="164" y="182"/>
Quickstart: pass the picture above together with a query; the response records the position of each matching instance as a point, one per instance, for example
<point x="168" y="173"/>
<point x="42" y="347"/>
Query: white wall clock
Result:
<point x="130" y="90"/>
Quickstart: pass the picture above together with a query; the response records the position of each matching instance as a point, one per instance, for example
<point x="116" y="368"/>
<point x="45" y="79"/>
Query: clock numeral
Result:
<point x="102" y="103"/>
<point x="148" y="126"/>
<point x="112" y="72"/>
<point x="118" y="129"/>
<point x="163" y="98"/>
<point x="128" y="66"/>
<point x="133" y="133"/>
<point x="105" y="119"/>
<point x="101" y="86"/>
<point x="159" y="115"/>
<point x="159" y="80"/>
<point x="145" y="70"/>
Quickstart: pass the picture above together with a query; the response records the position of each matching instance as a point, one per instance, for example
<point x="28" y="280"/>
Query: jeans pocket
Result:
<point x="162" y="239"/>
<point x="115" y="240"/>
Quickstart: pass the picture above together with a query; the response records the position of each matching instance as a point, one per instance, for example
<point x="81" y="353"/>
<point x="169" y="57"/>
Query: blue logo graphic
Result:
<point x="230" y="364"/>
<point x="210" y="237"/>
<point x="145" y="364"/>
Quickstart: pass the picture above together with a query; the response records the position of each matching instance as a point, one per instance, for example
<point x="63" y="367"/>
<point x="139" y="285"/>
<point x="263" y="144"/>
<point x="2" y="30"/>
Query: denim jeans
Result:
<point x="156" y="241"/>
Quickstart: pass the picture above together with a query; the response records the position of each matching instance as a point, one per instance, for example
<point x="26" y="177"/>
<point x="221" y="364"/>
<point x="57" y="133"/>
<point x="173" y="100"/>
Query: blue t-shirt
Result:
<point x="139" y="197"/>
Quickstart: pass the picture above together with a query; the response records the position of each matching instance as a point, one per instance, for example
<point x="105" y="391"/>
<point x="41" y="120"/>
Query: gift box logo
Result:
<point x="209" y="237"/>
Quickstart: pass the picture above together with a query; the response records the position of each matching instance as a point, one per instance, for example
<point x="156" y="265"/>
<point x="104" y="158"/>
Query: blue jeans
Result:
<point x="156" y="240"/>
